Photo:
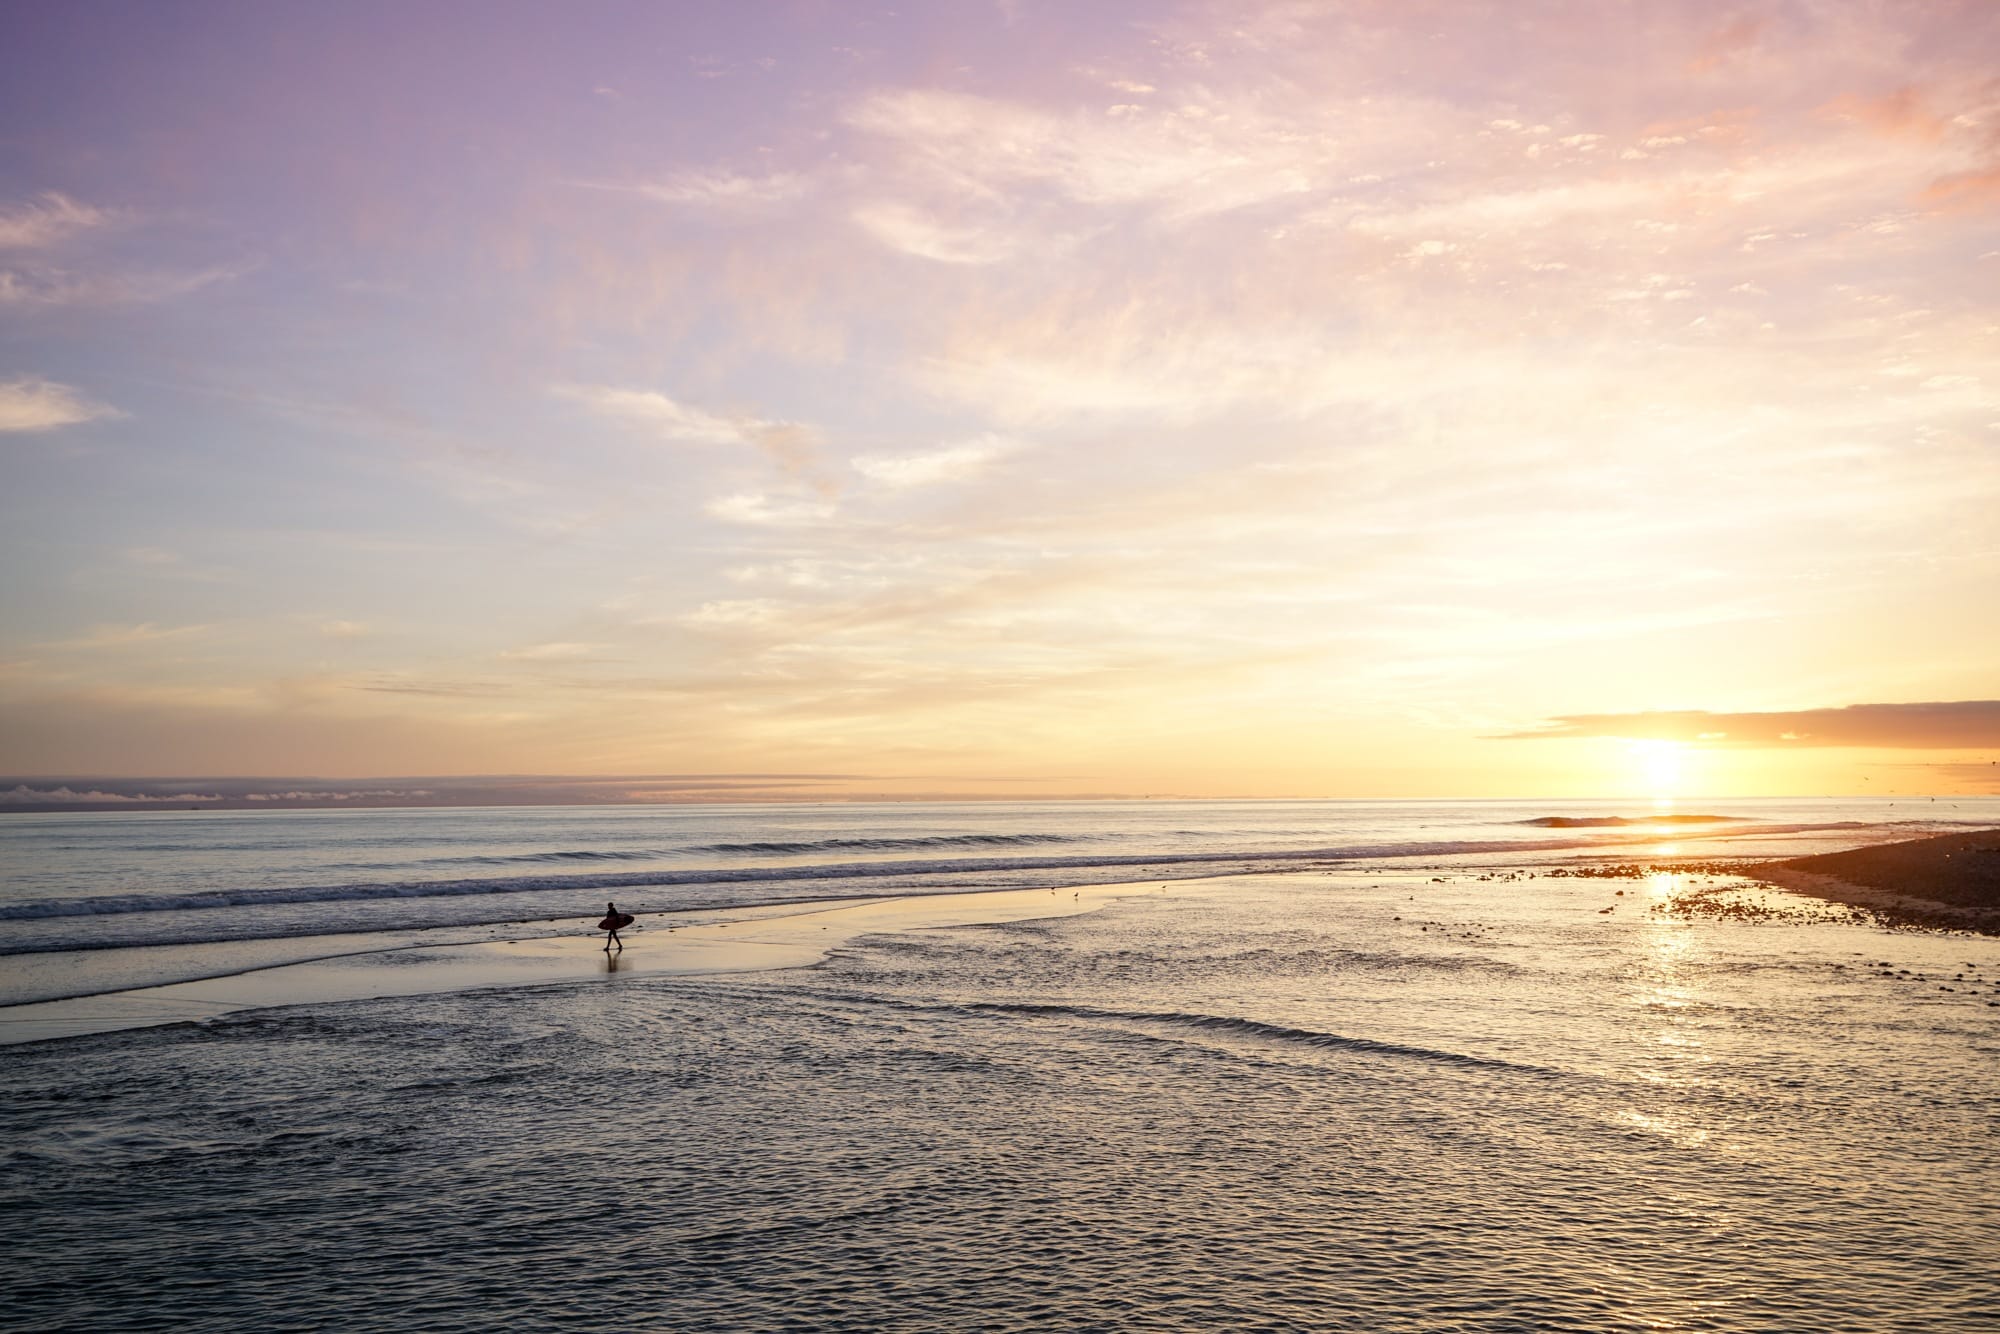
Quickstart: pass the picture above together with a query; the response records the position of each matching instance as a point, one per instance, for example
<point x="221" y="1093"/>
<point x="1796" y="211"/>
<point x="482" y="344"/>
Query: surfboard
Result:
<point x="616" y="922"/>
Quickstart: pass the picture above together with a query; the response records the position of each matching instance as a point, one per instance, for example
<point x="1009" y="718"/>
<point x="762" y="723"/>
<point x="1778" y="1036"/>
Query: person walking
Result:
<point x="613" y="922"/>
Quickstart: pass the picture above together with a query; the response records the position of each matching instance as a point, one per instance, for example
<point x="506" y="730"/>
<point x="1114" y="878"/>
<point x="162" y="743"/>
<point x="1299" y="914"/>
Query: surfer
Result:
<point x="613" y="921"/>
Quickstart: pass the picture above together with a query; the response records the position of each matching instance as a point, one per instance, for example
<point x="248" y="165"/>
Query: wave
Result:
<point x="933" y="873"/>
<point x="111" y="904"/>
<point x="1258" y="1029"/>
<point x="772" y="848"/>
<point x="1217" y="1023"/>
<point x="783" y="849"/>
<point x="1624" y="821"/>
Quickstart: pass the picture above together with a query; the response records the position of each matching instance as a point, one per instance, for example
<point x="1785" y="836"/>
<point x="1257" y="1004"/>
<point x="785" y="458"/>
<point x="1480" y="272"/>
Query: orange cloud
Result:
<point x="1965" y="191"/>
<point x="1953" y="725"/>
<point x="1901" y="114"/>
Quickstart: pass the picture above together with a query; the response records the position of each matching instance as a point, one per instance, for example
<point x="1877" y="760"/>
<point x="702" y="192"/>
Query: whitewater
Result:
<point x="76" y="882"/>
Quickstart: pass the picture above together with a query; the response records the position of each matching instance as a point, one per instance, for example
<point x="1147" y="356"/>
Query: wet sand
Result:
<point x="750" y="940"/>
<point x="1952" y="881"/>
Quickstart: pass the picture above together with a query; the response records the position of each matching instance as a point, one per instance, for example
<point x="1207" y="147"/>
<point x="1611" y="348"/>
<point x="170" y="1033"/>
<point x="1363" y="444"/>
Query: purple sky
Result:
<point x="1215" y="398"/>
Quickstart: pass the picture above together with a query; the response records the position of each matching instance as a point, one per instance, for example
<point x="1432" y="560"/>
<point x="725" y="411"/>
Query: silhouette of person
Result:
<point x="612" y="923"/>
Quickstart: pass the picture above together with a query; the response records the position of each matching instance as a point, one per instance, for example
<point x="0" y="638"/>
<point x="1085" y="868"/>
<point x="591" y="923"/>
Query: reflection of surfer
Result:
<point x="613" y="921"/>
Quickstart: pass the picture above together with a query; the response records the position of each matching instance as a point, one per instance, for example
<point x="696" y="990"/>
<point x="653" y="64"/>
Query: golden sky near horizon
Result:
<point x="1227" y="399"/>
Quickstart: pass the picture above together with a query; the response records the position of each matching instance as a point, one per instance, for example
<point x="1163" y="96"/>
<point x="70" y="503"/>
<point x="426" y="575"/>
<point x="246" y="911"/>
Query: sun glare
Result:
<point x="1660" y="766"/>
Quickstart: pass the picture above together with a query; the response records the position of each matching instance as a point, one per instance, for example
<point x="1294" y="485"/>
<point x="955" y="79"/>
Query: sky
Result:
<point x="1263" y="398"/>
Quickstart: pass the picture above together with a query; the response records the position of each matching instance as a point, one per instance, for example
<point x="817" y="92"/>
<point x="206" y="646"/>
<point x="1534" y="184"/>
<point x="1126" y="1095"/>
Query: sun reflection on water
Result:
<point x="1675" y="1129"/>
<point x="1669" y="995"/>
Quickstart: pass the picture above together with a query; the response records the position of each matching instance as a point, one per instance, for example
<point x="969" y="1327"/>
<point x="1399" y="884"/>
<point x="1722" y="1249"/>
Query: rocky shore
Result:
<point x="1951" y="881"/>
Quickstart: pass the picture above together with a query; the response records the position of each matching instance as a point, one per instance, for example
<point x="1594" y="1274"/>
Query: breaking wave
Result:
<point x="934" y="872"/>
<point x="772" y="848"/>
<point x="422" y="889"/>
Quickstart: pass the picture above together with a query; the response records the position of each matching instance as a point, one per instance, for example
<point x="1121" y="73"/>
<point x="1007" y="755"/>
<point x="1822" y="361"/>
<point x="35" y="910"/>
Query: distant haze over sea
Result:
<point x="70" y="793"/>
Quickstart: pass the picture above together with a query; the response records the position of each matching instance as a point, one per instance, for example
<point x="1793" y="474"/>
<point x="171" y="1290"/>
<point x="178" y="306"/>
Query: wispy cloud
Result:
<point x="972" y="180"/>
<point x="52" y="224"/>
<point x="46" y="219"/>
<point x="54" y="287"/>
<point x="953" y="463"/>
<point x="1954" y="725"/>
<point x="557" y="651"/>
<point x="412" y="684"/>
<point x="722" y="189"/>
<point x="914" y="230"/>
<point x="737" y="614"/>
<point x="31" y="403"/>
<point x="789" y="443"/>
<point x="127" y="636"/>
<point x="665" y="417"/>
<point x="167" y="564"/>
<point x="1182" y="158"/>
<point x="757" y="508"/>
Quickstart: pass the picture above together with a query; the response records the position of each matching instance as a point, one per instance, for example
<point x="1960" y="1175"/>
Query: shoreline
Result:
<point x="748" y="940"/>
<point x="1961" y="873"/>
<point x="1948" y="882"/>
<point x="41" y="930"/>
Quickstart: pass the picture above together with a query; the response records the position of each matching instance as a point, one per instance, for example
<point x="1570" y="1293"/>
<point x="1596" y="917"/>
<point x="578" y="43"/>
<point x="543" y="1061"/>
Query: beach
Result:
<point x="1494" y="1090"/>
<point x="1951" y="881"/>
<point x="746" y="941"/>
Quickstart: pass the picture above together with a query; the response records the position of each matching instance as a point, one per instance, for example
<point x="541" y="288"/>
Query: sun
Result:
<point x="1660" y="766"/>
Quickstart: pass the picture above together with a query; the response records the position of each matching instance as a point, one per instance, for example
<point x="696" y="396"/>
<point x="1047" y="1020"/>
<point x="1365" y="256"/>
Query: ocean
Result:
<point x="1294" y="1065"/>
